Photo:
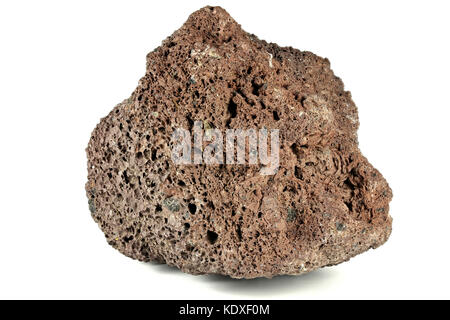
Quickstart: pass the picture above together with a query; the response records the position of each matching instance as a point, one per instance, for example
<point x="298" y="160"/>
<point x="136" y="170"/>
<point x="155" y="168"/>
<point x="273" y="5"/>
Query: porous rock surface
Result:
<point x="325" y="204"/>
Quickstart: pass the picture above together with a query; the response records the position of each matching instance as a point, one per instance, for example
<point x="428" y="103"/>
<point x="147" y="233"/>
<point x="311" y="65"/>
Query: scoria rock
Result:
<point x="324" y="205"/>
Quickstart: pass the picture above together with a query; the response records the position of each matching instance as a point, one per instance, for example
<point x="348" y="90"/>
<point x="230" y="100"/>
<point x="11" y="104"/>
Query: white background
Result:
<point x="66" y="64"/>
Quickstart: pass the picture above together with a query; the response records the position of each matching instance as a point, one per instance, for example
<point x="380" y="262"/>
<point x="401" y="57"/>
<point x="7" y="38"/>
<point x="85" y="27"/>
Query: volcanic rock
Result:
<point x="325" y="204"/>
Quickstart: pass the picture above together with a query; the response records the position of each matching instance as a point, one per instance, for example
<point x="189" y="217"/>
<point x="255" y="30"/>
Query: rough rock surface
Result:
<point x="325" y="204"/>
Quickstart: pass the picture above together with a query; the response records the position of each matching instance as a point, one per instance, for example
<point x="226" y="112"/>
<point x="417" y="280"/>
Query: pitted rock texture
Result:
<point x="325" y="204"/>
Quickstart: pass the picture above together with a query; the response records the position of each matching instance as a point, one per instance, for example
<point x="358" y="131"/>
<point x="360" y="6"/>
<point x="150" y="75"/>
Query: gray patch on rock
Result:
<point x="91" y="206"/>
<point x="340" y="226"/>
<point x="292" y="214"/>
<point x="172" y="204"/>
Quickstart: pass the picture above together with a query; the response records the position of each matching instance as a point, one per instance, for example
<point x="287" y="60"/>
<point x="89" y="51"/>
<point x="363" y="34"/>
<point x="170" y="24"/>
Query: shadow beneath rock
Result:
<point x="259" y="287"/>
<point x="270" y="288"/>
<point x="163" y="268"/>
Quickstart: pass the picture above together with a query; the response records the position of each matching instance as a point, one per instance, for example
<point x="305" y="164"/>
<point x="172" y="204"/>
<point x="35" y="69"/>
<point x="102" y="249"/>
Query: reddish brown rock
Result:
<point x="325" y="204"/>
